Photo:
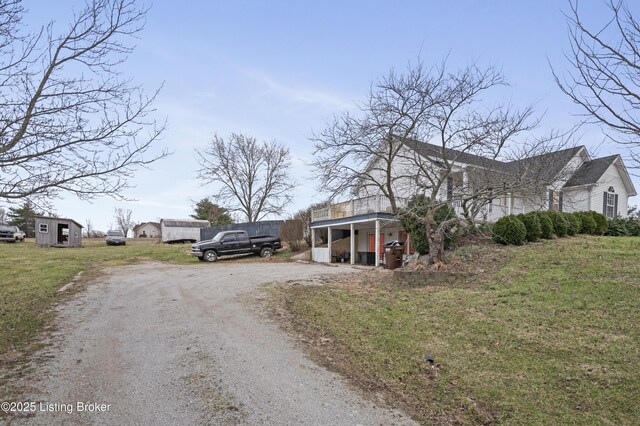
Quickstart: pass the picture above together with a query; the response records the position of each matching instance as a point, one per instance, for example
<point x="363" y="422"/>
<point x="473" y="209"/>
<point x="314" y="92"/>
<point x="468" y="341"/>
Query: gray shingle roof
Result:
<point x="591" y="171"/>
<point x="545" y="166"/>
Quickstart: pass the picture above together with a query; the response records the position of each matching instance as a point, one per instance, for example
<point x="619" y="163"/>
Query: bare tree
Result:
<point x="123" y="220"/>
<point x="88" y="227"/>
<point x="605" y="80"/>
<point x="69" y="122"/>
<point x="379" y="150"/>
<point x="253" y="176"/>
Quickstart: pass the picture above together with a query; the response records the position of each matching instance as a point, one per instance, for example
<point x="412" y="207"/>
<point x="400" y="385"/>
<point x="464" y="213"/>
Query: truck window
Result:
<point x="242" y="236"/>
<point x="229" y="237"/>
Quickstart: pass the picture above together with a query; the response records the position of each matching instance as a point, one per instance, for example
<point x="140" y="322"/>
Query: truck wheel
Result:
<point x="210" y="256"/>
<point x="266" y="252"/>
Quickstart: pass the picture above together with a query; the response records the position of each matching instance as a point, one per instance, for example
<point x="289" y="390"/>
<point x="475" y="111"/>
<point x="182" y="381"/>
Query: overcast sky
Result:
<point x="280" y="69"/>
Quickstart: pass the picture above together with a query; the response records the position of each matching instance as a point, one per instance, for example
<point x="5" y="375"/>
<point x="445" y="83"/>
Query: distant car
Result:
<point x="18" y="235"/>
<point x="116" y="238"/>
<point x="6" y="233"/>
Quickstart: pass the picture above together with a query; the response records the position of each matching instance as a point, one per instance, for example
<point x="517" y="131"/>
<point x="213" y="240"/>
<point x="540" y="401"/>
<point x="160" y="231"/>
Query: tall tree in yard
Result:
<point x="605" y="76"/>
<point x="253" y="176"/>
<point x="24" y="217"/>
<point x="216" y="215"/>
<point x="70" y="121"/>
<point x="378" y="151"/>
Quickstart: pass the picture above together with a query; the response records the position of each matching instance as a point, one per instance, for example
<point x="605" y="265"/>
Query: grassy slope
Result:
<point x="551" y="338"/>
<point x="30" y="277"/>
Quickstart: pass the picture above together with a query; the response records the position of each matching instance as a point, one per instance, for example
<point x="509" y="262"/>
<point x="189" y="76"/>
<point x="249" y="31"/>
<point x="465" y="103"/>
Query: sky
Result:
<point x="278" y="70"/>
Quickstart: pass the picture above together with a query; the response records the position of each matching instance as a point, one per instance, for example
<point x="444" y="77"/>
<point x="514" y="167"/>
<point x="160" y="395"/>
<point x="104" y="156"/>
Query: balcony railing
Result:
<point x="381" y="204"/>
<point x="371" y="204"/>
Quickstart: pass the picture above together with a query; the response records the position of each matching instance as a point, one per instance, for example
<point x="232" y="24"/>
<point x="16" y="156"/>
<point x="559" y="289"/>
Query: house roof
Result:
<point x="553" y="162"/>
<point x="435" y="151"/>
<point x="591" y="171"/>
<point x="59" y="219"/>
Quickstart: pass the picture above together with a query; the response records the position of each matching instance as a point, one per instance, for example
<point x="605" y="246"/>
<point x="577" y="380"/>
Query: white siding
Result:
<point x="610" y="178"/>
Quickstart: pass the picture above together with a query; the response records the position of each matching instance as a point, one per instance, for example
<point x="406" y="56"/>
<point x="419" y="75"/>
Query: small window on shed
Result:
<point x="43" y="228"/>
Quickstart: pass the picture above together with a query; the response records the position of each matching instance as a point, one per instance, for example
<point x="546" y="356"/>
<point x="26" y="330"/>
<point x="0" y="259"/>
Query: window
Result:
<point x="611" y="203"/>
<point x="229" y="238"/>
<point x="43" y="228"/>
<point x="556" y="201"/>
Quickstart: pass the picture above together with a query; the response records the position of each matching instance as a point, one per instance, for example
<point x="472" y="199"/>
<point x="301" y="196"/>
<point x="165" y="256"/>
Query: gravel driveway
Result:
<point x="164" y="345"/>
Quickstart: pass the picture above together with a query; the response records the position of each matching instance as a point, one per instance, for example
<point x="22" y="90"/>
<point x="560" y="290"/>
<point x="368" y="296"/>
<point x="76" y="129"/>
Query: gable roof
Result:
<point x="435" y="152"/>
<point x="591" y="171"/>
<point x="553" y="162"/>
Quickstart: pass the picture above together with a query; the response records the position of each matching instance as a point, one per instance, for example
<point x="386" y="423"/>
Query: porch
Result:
<point x="357" y="239"/>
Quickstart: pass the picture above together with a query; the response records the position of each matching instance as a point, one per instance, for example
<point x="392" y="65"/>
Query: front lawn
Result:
<point x="550" y="337"/>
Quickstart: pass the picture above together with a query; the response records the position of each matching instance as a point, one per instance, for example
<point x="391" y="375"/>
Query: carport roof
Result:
<point x="345" y="222"/>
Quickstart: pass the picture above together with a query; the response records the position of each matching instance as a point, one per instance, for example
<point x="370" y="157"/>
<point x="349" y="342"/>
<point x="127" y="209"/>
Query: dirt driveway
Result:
<point x="160" y="344"/>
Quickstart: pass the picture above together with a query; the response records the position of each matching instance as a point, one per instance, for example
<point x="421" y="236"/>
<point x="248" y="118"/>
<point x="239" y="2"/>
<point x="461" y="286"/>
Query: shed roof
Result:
<point x="185" y="223"/>
<point x="59" y="219"/>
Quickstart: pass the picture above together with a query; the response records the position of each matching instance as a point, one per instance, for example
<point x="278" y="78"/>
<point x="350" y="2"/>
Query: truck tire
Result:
<point x="266" y="252"/>
<point x="210" y="256"/>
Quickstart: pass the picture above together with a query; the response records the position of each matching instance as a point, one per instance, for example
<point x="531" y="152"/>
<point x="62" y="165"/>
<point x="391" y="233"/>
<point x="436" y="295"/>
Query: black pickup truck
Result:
<point x="234" y="242"/>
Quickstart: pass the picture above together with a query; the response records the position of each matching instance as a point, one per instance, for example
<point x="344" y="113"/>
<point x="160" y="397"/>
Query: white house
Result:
<point x="147" y="229"/>
<point x="579" y="183"/>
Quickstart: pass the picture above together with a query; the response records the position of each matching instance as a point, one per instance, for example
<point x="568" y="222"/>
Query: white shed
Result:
<point x="181" y="230"/>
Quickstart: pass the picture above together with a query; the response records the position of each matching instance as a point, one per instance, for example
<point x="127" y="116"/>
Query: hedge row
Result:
<point x="623" y="226"/>
<point x="533" y="226"/>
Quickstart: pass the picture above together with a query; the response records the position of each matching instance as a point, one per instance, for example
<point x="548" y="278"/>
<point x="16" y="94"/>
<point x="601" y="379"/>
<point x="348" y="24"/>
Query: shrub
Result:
<point x="601" y="223"/>
<point x="559" y="223"/>
<point x="573" y="226"/>
<point x="509" y="230"/>
<point x="587" y="223"/>
<point x="546" y="225"/>
<point x="633" y="227"/>
<point x="616" y="227"/>
<point x="418" y="232"/>
<point x="578" y="221"/>
<point x="532" y="223"/>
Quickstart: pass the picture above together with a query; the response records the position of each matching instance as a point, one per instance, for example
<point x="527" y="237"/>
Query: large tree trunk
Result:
<point x="436" y="246"/>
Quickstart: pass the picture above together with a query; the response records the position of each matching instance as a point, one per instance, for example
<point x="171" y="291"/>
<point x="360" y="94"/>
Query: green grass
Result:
<point x="552" y="337"/>
<point x="30" y="277"/>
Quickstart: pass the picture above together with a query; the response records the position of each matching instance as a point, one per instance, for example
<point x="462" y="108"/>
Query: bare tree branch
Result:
<point x="605" y="81"/>
<point x="68" y="121"/>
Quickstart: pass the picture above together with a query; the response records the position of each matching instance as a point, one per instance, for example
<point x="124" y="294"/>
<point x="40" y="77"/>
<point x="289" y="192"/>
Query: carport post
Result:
<point x="377" y="243"/>
<point x="313" y="242"/>
<point x="329" y="241"/>
<point x="353" y="244"/>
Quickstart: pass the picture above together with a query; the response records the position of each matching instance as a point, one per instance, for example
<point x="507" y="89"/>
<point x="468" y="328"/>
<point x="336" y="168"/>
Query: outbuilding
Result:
<point x="181" y="230"/>
<point x="57" y="232"/>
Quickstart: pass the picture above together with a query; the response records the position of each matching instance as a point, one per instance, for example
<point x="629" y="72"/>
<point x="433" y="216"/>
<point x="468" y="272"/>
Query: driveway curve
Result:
<point x="165" y="345"/>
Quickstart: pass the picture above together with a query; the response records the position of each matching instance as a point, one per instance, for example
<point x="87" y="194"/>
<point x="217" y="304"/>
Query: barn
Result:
<point x="57" y="232"/>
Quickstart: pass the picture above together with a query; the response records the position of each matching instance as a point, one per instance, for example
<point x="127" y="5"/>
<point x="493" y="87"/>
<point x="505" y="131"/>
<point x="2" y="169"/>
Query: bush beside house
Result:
<point x="510" y="230"/>
<point x="534" y="225"/>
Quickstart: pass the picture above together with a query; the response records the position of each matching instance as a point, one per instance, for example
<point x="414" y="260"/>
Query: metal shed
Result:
<point x="57" y="232"/>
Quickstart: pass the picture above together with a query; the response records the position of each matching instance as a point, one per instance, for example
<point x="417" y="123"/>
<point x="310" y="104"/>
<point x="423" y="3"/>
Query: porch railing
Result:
<point x="381" y="204"/>
<point x="358" y="206"/>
